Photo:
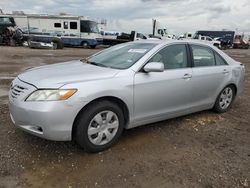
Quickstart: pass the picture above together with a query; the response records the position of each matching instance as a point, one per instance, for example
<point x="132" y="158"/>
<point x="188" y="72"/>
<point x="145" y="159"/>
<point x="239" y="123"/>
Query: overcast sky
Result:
<point x="178" y="16"/>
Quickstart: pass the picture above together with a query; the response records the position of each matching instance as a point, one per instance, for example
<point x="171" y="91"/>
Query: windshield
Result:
<point x="89" y="26"/>
<point x="121" y="56"/>
<point x="5" y="20"/>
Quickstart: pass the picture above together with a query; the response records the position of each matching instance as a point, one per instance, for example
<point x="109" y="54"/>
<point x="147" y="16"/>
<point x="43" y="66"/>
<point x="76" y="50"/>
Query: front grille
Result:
<point x="17" y="91"/>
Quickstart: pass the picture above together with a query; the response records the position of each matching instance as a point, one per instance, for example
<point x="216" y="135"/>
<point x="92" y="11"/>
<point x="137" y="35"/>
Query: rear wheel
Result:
<point x="85" y="44"/>
<point x="93" y="46"/>
<point x="99" y="126"/>
<point x="225" y="99"/>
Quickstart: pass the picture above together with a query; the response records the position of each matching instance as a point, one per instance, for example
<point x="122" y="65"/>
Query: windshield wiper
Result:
<point x="97" y="64"/>
<point x="85" y="60"/>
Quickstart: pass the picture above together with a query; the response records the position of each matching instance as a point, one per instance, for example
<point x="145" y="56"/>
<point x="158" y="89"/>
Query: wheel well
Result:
<point x="84" y="42"/>
<point x="115" y="100"/>
<point x="235" y="87"/>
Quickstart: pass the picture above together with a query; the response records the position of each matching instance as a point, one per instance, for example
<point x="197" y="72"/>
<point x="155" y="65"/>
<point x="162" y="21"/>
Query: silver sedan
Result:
<point x="93" y="100"/>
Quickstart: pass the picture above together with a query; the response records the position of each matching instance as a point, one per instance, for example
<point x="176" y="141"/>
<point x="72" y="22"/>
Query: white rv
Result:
<point x="72" y="30"/>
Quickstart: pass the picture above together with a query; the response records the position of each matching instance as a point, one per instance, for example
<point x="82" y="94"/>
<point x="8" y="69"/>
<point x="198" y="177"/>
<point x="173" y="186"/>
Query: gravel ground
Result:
<point x="199" y="150"/>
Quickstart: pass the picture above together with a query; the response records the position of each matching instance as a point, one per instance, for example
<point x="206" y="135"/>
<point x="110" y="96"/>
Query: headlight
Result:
<point x="51" y="95"/>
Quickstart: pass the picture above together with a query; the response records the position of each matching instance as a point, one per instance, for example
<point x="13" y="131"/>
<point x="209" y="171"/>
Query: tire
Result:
<point x="85" y="44"/>
<point x="90" y="128"/>
<point x="59" y="43"/>
<point x="225" y="99"/>
<point x="93" y="46"/>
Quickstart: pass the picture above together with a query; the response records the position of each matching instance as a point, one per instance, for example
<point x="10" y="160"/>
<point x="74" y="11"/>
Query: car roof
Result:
<point x="173" y="41"/>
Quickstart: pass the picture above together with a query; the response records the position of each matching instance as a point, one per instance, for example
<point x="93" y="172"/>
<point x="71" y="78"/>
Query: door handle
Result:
<point x="187" y="76"/>
<point x="225" y="71"/>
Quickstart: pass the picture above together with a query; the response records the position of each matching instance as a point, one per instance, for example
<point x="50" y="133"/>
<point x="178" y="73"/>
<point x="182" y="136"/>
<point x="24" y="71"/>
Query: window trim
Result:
<point x="189" y="63"/>
<point x="204" y="46"/>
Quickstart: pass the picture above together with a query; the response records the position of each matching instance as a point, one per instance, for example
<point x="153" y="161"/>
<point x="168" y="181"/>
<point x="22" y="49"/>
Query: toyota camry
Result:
<point x="93" y="100"/>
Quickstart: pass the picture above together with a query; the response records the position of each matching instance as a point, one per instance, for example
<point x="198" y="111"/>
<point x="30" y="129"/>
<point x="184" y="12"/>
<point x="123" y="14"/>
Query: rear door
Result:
<point x="210" y="74"/>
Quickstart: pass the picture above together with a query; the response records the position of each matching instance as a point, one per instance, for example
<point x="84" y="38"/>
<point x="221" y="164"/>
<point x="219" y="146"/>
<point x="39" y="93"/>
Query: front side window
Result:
<point x="73" y="25"/>
<point x="173" y="57"/>
<point x="202" y="56"/>
<point x="6" y="20"/>
<point x="209" y="39"/>
<point x="141" y="36"/>
<point x="121" y="56"/>
<point x="88" y="26"/>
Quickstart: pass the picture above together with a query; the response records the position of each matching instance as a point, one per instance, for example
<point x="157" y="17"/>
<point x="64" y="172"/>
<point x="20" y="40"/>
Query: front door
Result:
<point x="160" y="94"/>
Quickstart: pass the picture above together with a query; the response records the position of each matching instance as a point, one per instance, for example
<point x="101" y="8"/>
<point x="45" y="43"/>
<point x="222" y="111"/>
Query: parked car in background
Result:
<point x="93" y="100"/>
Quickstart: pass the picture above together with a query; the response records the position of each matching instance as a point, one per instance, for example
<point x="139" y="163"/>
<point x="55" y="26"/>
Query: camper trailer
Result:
<point x="71" y="30"/>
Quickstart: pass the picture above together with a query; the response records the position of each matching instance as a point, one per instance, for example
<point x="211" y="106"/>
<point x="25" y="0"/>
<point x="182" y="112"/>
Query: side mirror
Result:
<point x="154" y="67"/>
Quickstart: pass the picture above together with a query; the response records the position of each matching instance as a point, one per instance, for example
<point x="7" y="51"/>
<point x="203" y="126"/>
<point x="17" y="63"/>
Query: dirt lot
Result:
<point x="200" y="150"/>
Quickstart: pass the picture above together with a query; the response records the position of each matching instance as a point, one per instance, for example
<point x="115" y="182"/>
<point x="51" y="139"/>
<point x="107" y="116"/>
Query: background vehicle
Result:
<point x="61" y="29"/>
<point x="128" y="85"/>
<point x="119" y="38"/>
<point x="241" y="41"/>
<point x="209" y="40"/>
<point x="10" y="34"/>
<point x="160" y="31"/>
<point x="226" y="37"/>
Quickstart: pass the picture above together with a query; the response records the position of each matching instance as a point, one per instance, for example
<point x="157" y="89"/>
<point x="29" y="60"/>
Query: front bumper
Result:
<point x="52" y="120"/>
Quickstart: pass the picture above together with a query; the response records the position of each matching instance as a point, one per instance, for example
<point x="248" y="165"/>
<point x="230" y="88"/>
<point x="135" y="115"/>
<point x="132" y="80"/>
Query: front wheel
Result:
<point x="99" y="126"/>
<point x="225" y="99"/>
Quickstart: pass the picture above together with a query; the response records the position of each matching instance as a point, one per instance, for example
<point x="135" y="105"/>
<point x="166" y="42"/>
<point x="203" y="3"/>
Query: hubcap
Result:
<point x="103" y="127"/>
<point x="226" y="98"/>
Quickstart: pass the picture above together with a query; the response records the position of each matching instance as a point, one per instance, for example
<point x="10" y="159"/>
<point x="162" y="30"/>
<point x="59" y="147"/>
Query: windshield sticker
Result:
<point x="141" y="51"/>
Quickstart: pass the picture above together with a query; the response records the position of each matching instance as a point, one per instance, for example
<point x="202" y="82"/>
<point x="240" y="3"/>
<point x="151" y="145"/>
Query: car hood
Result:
<point x="57" y="75"/>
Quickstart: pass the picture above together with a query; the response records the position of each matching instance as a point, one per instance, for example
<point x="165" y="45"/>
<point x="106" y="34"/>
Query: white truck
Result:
<point x="206" y="39"/>
<point x="119" y="37"/>
<point x="160" y="31"/>
<point x="209" y="40"/>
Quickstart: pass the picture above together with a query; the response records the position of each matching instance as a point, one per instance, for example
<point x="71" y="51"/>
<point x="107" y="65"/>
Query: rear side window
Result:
<point x="173" y="57"/>
<point x="219" y="60"/>
<point x="202" y="56"/>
